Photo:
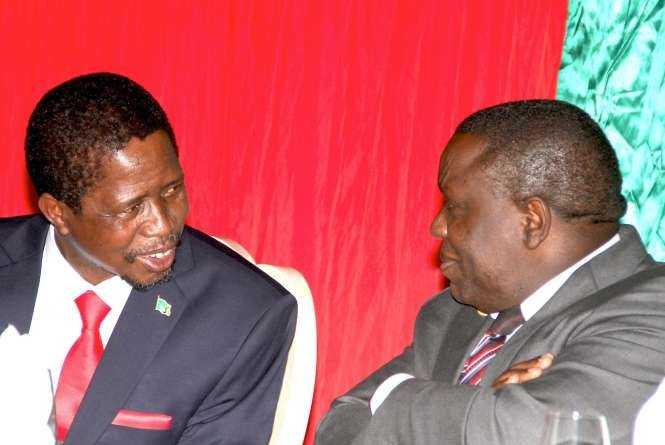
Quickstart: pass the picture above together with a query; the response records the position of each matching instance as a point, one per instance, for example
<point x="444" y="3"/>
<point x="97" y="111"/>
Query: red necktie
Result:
<point x="493" y="340"/>
<point x="80" y="363"/>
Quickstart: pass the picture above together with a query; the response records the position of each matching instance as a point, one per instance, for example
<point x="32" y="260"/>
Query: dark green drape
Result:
<point x="613" y="66"/>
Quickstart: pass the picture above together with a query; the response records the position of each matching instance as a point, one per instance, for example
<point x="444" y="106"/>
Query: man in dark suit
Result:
<point x="531" y="237"/>
<point x="153" y="331"/>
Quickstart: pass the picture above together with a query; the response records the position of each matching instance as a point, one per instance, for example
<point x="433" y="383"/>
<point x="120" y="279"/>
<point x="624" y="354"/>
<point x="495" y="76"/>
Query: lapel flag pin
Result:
<point x="162" y="306"/>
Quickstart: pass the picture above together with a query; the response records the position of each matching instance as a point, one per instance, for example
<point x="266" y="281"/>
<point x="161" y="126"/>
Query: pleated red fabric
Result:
<point x="309" y="131"/>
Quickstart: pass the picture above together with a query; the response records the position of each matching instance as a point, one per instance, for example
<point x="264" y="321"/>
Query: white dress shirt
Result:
<point x="56" y="321"/>
<point x="530" y="306"/>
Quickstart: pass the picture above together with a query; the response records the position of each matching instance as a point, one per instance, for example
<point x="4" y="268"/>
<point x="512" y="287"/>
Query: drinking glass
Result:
<point x="575" y="428"/>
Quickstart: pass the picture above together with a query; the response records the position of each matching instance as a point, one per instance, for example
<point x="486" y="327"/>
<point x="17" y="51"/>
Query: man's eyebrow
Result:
<point x="130" y="201"/>
<point x="136" y="199"/>
<point x="444" y="168"/>
<point x="178" y="180"/>
<point x="444" y="174"/>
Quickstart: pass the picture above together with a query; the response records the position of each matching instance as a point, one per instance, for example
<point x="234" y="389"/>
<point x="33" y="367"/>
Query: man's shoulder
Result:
<point x="441" y="308"/>
<point x="219" y="270"/>
<point x="9" y="224"/>
<point x="208" y="250"/>
<point x="623" y="270"/>
<point x="639" y="288"/>
<point x="21" y="237"/>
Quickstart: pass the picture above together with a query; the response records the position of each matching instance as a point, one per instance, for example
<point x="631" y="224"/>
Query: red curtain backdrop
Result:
<point x="309" y="131"/>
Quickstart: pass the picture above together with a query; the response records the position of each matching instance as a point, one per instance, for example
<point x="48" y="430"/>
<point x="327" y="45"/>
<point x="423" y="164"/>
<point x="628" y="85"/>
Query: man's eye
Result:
<point x="453" y="209"/>
<point x="173" y="190"/>
<point x="130" y="211"/>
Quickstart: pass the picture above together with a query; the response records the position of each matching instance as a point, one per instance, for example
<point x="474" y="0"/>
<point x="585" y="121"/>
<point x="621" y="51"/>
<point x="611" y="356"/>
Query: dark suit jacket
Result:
<point x="215" y="364"/>
<point x="606" y="326"/>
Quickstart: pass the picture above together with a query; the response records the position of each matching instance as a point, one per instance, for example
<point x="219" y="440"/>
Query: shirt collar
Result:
<point x="542" y="295"/>
<point x="114" y="291"/>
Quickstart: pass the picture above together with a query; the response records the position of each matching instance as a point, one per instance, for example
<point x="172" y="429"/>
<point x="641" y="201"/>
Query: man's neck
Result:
<point x="566" y="245"/>
<point x="89" y="271"/>
<point x="544" y="293"/>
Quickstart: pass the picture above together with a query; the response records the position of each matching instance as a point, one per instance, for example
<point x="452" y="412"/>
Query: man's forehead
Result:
<point x="153" y="152"/>
<point x="460" y="156"/>
<point x="142" y="163"/>
<point x="122" y="158"/>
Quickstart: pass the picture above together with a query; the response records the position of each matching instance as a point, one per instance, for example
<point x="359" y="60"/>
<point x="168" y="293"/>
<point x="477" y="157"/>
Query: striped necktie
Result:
<point x="493" y="340"/>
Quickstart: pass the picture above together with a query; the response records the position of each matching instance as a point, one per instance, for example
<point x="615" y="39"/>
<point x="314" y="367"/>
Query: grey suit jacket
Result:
<point x="606" y="326"/>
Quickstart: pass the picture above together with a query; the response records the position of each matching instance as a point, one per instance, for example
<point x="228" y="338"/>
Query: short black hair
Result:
<point x="553" y="150"/>
<point x="80" y="123"/>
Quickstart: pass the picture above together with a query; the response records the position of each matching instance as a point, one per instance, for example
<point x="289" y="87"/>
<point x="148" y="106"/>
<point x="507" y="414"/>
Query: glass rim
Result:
<point x="575" y="415"/>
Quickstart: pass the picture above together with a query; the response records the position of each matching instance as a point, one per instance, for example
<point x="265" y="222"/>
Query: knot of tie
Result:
<point x="92" y="309"/>
<point x="506" y="323"/>
<point x="493" y="340"/>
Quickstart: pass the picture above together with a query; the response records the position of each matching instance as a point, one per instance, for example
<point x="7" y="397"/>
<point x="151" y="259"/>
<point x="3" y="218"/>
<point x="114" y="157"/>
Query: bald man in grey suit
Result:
<point x="530" y="226"/>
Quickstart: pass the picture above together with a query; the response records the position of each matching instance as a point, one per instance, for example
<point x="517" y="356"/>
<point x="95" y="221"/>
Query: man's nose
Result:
<point x="439" y="227"/>
<point x="159" y="222"/>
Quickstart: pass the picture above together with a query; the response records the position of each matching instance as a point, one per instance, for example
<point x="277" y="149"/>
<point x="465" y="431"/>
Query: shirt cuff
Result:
<point x="385" y="388"/>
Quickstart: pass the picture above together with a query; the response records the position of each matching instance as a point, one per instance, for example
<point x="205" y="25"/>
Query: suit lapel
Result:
<point x="463" y="333"/>
<point x="20" y="267"/>
<point x="617" y="263"/>
<point x="137" y="337"/>
<point x="575" y="289"/>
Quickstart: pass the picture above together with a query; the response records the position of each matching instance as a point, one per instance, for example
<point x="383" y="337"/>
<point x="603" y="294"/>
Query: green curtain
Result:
<point x="613" y="66"/>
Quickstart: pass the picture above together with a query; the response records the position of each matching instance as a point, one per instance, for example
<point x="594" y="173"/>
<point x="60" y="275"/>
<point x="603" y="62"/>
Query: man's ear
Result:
<point x="537" y="221"/>
<point x="55" y="211"/>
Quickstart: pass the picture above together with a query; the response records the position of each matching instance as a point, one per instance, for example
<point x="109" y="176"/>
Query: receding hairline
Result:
<point x="482" y="142"/>
<point x="553" y="150"/>
<point x="79" y="123"/>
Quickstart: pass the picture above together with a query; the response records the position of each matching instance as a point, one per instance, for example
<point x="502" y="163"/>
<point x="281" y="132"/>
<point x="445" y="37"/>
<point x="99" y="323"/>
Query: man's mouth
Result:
<point x="158" y="261"/>
<point x="445" y="264"/>
<point x="448" y="263"/>
<point x="445" y="261"/>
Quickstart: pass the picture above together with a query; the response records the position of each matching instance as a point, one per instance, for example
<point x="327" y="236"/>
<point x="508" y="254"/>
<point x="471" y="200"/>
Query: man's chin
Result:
<point x="459" y="296"/>
<point x="144" y="285"/>
<point x="455" y="292"/>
